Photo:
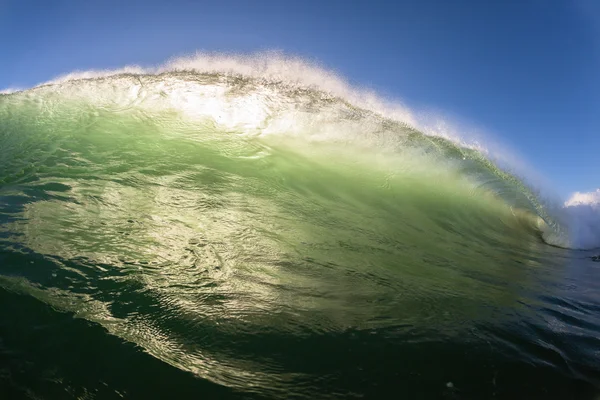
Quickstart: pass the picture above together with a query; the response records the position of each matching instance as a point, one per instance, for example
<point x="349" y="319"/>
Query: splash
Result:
<point x="583" y="211"/>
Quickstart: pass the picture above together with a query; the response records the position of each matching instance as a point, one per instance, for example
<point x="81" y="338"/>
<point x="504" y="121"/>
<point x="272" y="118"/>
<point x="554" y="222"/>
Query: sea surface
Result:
<point x="255" y="228"/>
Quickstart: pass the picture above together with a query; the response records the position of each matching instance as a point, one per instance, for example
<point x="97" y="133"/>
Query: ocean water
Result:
<point x="254" y="227"/>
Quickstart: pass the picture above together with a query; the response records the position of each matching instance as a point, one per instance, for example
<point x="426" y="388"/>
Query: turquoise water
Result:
<point x="188" y="234"/>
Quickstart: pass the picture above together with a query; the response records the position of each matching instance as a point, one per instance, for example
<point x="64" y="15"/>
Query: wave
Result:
<point x="271" y="94"/>
<point x="225" y="196"/>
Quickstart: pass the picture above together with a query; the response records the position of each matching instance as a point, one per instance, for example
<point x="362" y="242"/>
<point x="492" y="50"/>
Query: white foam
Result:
<point x="91" y="74"/>
<point x="9" y="90"/>
<point x="296" y="72"/>
<point x="271" y="66"/>
<point x="583" y="213"/>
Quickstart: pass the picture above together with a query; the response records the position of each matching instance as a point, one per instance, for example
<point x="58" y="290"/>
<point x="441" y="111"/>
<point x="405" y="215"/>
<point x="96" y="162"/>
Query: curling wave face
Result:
<point x="221" y="197"/>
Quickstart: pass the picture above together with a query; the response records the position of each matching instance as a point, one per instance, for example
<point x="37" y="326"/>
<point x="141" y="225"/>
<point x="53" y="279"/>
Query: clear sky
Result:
<point x="527" y="72"/>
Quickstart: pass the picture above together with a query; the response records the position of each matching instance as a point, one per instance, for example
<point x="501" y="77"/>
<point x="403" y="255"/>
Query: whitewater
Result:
<point x="256" y="227"/>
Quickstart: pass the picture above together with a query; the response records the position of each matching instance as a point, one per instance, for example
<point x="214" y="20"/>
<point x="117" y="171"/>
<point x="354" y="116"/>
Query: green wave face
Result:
<point x="178" y="207"/>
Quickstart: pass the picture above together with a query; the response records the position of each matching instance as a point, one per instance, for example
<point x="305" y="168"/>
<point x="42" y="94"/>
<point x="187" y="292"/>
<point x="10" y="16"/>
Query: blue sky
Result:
<point x="527" y="72"/>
